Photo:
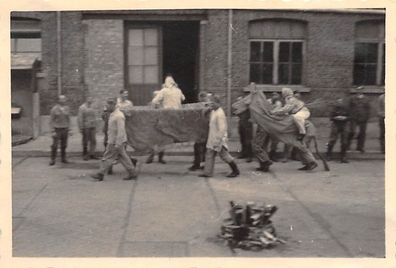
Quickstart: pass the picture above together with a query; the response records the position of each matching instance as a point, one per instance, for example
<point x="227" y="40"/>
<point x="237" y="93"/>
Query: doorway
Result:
<point x="180" y="56"/>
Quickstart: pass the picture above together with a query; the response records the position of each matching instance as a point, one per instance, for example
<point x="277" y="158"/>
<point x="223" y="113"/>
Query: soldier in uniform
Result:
<point x="217" y="141"/>
<point x="339" y="117"/>
<point x="116" y="144"/>
<point x="359" y="107"/>
<point x="59" y="123"/>
<point x="87" y="126"/>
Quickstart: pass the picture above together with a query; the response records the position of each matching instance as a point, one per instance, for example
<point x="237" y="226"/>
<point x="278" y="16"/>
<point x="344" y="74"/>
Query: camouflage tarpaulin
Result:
<point x="147" y="127"/>
<point x="281" y="127"/>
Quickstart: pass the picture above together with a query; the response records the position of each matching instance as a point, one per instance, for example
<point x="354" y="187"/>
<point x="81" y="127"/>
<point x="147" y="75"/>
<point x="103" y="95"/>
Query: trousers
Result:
<point x="89" y="137"/>
<point x="60" y="135"/>
<point x="299" y="119"/>
<point x="210" y="158"/>
<point x="111" y="154"/>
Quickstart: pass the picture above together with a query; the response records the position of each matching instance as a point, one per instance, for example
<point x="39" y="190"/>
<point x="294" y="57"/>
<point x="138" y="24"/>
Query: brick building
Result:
<point x="321" y="53"/>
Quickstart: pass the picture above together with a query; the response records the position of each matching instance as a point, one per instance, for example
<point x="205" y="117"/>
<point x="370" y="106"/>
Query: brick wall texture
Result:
<point x="93" y="53"/>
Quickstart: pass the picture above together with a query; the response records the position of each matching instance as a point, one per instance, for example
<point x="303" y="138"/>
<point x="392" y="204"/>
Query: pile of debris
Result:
<point x="250" y="227"/>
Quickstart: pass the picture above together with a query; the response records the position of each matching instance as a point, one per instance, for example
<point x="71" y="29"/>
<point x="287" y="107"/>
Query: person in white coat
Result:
<point x="170" y="96"/>
<point x="217" y="141"/>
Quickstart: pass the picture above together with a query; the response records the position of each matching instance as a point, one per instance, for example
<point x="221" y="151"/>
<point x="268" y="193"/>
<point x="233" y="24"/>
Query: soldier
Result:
<point x="59" y="123"/>
<point x="217" y="141"/>
<point x="296" y="108"/>
<point x="123" y="103"/>
<point x="359" y="107"/>
<point x="199" y="147"/>
<point x="381" y="120"/>
<point x="87" y="126"/>
<point x="245" y="130"/>
<point x="116" y="144"/>
<point x="339" y="117"/>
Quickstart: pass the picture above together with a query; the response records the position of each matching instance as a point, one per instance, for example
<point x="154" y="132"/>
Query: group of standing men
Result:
<point x="345" y="117"/>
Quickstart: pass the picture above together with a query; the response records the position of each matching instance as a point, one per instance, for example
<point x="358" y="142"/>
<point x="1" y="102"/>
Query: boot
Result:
<point x="235" y="171"/>
<point x="131" y="176"/>
<point x="110" y="170"/>
<point x="161" y="158"/>
<point x="264" y="166"/>
<point x="53" y="156"/>
<point x="63" y="155"/>
<point x="309" y="166"/>
<point x="272" y="156"/>
<point x="329" y="152"/>
<point x="85" y="154"/>
<point x="343" y="156"/>
<point x="97" y="176"/>
<point x="150" y="158"/>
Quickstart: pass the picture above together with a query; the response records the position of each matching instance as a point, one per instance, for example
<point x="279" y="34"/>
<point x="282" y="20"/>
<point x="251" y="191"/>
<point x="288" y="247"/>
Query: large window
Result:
<point x="276" y="52"/>
<point x="369" y="60"/>
<point x="26" y="37"/>
<point x="143" y="56"/>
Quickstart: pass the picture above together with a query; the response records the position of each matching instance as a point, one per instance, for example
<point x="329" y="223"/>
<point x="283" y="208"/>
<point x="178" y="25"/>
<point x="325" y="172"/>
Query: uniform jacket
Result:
<point x="292" y="106"/>
<point x="60" y="116"/>
<point x="116" y="129"/>
<point x="217" y="137"/>
<point x="359" y="108"/>
<point x="86" y="116"/>
<point x="339" y="110"/>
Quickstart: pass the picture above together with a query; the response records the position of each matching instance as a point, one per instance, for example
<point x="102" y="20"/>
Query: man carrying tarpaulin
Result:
<point x="280" y="126"/>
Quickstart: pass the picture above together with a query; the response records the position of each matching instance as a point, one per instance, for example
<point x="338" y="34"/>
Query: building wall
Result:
<point x="104" y="58"/>
<point x="93" y="53"/>
<point x="329" y="52"/>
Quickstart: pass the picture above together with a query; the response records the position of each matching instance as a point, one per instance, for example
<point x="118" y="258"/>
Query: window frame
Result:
<point x="143" y="27"/>
<point x="381" y="49"/>
<point x="275" y="70"/>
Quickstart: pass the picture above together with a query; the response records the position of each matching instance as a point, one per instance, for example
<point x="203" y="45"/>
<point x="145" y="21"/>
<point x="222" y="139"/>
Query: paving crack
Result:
<point x="317" y="218"/>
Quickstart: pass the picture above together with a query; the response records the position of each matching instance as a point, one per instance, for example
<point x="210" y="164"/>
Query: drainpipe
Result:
<point x="229" y="65"/>
<point x="59" y="51"/>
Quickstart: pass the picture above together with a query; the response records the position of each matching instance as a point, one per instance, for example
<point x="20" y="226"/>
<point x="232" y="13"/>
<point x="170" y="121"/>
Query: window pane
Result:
<point x="267" y="73"/>
<point x="268" y="53"/>
<point x="297" y="52"/>
<point x="360" y="53"/>
<point x="150" y="37"/>
<point x="255" y="51"/>
<point x="150" y="56"/>
<point x="28" y="45"/>
<point x="358" y="74"/>
<point x="150" y="74"/>
<point x="371" y="74"/>
<point x="135" y="56"/>
<point x="135" y="75"/>
<point x="136" y="37"/>
<point x="296" y="74"/>
<point x="283" y="72"/>
<point x="255" y="71"/>
<point x="372" y="52"/>
<point x="284" y="51"/>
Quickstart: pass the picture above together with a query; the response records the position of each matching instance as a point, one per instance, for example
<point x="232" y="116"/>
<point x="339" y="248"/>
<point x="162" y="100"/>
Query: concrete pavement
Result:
<point x="170" y="212"/>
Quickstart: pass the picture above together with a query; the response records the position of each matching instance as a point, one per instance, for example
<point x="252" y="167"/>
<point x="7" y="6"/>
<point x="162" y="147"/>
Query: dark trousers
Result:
<point x="199" y="153"/>
<point x="259" y="146"/>
<point x="59" y="136"/>
<point x="381" y="121"/>
<point x="89" y="137"/>
<point x="361" y="137"/>
<point x="246" y="137"/>
<point x="338" y="129"/>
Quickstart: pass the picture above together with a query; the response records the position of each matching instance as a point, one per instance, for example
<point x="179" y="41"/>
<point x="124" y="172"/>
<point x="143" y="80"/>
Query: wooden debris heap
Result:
<point x="249" y="227"/>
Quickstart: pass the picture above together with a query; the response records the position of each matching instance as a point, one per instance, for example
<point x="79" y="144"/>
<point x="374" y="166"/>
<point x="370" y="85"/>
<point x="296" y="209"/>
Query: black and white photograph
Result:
<point x="199" y="132"/>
